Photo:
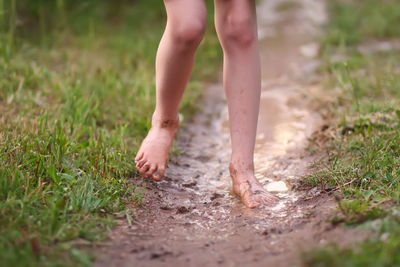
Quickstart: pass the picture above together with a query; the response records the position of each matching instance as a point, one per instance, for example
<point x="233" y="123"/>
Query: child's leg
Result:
<point x="237" y="30"/>
<point x="185" y="28"/>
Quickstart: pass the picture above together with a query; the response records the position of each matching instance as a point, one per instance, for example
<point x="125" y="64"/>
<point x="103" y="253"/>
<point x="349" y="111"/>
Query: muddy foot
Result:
<point x="246" y="186"/>
<point x="152" y="157"/>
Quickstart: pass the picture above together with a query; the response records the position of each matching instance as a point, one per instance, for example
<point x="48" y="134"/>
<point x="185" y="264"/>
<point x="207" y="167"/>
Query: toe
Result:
<point x="144" y="169"/>
<point x="269" y="200"/>
<point x="250" y="203"/>
<point x="151" y="170"/>
<point x="156" y="176"/>
<point x="159" y="173"/>
<point x="140" y="163"/>
<point x="139" y="156"/>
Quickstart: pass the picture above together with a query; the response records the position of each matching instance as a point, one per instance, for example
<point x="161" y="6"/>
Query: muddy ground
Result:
<point x="191" y="218"/>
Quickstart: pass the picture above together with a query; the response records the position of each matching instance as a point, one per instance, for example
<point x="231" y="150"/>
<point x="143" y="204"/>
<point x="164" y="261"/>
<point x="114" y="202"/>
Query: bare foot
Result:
<point x="248" y="188"/>
<point x="151" y="160"/>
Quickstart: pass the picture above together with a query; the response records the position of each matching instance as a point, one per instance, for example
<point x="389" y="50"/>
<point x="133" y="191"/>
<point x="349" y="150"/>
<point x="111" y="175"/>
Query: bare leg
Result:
<point x="185" y="28"/>
<point x="237" y="30"/>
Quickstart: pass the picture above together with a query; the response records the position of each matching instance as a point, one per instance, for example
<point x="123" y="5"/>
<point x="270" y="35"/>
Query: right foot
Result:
<point x="151" y="160"/>
<point x="249" y="190"/>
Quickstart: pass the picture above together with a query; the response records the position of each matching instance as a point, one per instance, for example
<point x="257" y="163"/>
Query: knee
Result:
<point x="189" y="34"/>
<point x="239" y="31"/>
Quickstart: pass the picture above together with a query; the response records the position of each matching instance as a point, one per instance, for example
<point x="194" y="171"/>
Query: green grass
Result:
<point x="362" y="159"/>
<point x="356" y="21"/>
<point x="76" y="98"/>
<point x="364" y="155"/>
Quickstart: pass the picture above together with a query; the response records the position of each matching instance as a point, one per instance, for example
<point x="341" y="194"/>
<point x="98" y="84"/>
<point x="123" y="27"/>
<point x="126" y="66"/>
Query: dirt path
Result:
<point x="191" y="218"/>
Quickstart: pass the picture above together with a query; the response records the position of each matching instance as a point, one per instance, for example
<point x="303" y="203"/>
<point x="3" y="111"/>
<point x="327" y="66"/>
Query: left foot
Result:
<point x="248" y="188"/>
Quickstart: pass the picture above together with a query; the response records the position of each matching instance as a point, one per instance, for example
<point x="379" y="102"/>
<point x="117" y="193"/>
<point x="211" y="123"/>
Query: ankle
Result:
<point x="240" y="169"/>
<point x="164" y="122"/>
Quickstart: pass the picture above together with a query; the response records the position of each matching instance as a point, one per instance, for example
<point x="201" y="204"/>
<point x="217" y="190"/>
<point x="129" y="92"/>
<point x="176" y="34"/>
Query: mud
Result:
<point x="191" y="218"/>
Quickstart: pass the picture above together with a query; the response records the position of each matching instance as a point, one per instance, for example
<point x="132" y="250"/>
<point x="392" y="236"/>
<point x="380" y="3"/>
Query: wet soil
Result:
<point x="191" y="217"/>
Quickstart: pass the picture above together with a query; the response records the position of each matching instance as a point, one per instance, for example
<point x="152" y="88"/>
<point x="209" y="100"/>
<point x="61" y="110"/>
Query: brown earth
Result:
<point x="191" y="217"/>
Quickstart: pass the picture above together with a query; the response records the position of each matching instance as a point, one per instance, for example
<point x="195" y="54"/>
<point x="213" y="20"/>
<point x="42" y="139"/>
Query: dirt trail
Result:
<point x="191" y="218"/>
